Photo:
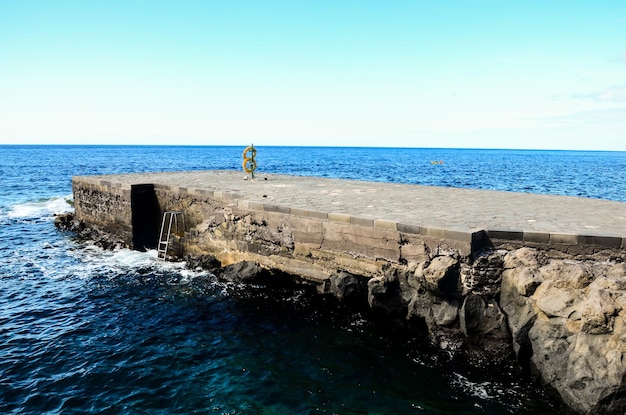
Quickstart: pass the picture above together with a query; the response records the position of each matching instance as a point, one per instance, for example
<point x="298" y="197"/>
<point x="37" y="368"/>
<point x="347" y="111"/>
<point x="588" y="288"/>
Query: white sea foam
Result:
<point x="41" y="208"/>
<point x="97" y="261"/>
<point x="482" y="390"/>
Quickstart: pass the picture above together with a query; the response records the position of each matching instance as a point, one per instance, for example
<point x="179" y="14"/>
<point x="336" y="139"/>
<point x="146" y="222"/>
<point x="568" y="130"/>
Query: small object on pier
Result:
<point x="249" y="161"/>
<point x="173" y="223"/>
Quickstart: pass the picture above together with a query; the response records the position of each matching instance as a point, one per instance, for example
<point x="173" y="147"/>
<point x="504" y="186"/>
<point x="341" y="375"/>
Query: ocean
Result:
<point x="84" y="330"/>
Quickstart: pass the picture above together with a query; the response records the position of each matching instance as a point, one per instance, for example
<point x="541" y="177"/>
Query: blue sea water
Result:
<point x="84" y="330"/>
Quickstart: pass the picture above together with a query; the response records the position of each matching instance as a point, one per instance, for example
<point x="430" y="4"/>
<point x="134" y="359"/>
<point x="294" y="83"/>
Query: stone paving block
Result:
<point x="362" y="221"/>
<point x="385" y="224"/>
<point x="252" y="205"/>
<point x="339" y="231"/>
<point x="607" y="241"/>
<point x="268" y="207"/>
<point x="243" y="204"/>
<point x="563" y="238"/>
<point x="536" y="237"/>
<point x="432" y="232"/>
<point x="458" y="235"/>
<point x="299" y="212"/>
<point x="506" y="234"/>
<point x="317" y="214"/>
<point x="339" y="217"/>
<point x="414" y="252"/>
<point x="414" y="229"/>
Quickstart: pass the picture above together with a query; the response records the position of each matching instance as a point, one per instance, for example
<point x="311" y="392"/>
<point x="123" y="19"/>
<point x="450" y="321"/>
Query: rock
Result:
<point x="617" y="272"/>
<point x="67" y="222"/>
<point x="555" y="301"/>
<point x="249" y="272"/>
<point x="520" y="311"/>
<point x="349" y="288"/>
<point x="522" y="258"/>
<point x="484" y="325"/>
<point x="552" y="342"/>
<point x="445" y="313"/>
<point x="567" y="321"/>
<point x="442" y="276"/>
<point x="434" y="311"/>
<point x="483" y="276"/>
<point x="205" y="262"/>
<point x="384" y="295"/>
<point x="569" y="275"/>
<point x="598" y="311"/>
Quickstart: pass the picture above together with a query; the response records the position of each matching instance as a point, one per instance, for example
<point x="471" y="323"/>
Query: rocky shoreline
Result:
<point x="560" y="317"/>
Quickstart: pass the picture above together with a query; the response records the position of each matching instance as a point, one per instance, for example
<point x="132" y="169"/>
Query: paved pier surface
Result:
<point x="505" y="215"/>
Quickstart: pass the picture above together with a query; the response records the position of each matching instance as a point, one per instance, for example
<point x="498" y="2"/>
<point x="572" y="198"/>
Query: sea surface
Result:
<point x="84" y="330"/>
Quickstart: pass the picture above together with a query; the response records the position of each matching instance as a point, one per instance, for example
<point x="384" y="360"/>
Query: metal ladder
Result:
<point x="172" y="222"/>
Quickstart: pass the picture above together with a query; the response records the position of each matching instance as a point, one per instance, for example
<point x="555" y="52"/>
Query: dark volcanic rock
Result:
<point x="105" y="240"/>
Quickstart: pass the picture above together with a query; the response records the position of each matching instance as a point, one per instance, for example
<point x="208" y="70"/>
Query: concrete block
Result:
<point x="303" y="249"/>
<point x="204" y="193"/>
<point x="339" y="231"/>
<point x="299" y="212"/>
<point x="339" y="217"/>
<point x="357" y="239"/>
<point x="269" y="207"/>
<point x="457" y="235"/>
<point x="433" y="232"/>
<point x="385" y="224"/>
<point x="563" y="238"/>
<point x="243" y="204"/>
<point x="252" y="205"/>
<point x="317" y="214"/>
<point x="536" y="237"/>
<point x="506" y="234"/>
<point x="308" y="235"/>
<point x="405" y="228"/>
<point x="606" y="241"/>
<point x="355" y="220"/>
<point x="417" y="252"/>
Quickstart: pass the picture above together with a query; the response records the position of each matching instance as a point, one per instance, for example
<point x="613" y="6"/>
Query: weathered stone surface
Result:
<point x="570" y="328"/>
<point x="384" y="295"/>
<point x="349" y="288"/>
<point x="99" y="237"/>
<point x="441" y="275"/>
<point x="484" y="275"/>
<point x="414" y="249"/>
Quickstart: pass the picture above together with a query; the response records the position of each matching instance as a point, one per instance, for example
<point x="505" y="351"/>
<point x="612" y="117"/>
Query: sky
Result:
<point x="527" y="74"/>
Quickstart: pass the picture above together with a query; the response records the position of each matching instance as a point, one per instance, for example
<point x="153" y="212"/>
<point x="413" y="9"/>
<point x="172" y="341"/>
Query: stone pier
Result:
<point x="495" y="275"/>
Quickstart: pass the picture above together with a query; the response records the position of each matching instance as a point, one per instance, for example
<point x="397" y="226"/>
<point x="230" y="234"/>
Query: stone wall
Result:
<point x="104" y="206"/>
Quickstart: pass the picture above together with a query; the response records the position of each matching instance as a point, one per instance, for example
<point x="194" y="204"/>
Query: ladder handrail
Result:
<point x="164" y="237"/>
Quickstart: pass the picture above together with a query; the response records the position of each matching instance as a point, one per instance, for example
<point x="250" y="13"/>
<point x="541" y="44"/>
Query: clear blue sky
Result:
<point x="466" y="73"/>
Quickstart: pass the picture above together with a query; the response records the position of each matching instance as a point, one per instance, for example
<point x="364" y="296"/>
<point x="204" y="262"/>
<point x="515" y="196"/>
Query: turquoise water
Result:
<point x="89" y="331"/>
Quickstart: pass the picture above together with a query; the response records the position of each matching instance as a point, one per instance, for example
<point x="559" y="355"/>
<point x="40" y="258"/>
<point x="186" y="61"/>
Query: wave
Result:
<point x="42" y="208"/>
